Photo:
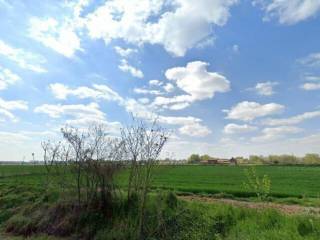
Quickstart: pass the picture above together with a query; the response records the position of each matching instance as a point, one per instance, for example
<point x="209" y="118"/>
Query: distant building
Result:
<point x="219" y="161"/>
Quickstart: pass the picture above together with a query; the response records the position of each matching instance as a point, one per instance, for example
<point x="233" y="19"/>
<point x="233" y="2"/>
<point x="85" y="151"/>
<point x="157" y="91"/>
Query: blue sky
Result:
<point x="228" y="77"/>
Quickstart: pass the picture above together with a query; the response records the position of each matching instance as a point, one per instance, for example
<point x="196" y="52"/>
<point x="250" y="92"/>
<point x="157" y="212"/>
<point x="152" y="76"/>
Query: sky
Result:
<point x="226" y="77"/>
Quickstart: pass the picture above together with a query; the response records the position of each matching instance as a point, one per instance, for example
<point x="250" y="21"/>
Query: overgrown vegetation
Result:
<point x="25" y="212"/>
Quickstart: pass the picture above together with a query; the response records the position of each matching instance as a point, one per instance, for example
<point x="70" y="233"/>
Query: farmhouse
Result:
<point x="219" y="161"/>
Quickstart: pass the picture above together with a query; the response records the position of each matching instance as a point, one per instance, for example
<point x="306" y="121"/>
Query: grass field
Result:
<point x="286" y="181"/>
<point x="26" y="206"/>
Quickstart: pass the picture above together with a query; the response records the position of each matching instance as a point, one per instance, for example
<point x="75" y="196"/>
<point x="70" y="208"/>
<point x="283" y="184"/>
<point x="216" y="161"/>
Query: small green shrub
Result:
<point x="260" y="186"/>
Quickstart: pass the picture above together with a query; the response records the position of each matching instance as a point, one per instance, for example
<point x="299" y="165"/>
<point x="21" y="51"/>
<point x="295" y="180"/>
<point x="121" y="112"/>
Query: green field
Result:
<point x="286" y="181"/>
<point x="26" y="206"/>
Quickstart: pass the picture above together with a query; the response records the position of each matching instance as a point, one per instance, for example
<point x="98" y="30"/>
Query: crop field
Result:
<point x="286" y="181"/>
<point x="26" y="205"/>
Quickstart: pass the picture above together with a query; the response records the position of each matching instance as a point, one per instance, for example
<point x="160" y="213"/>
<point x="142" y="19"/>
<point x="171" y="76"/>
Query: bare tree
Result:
<point x="143" y="144"/>
<point x="91" y="157"/>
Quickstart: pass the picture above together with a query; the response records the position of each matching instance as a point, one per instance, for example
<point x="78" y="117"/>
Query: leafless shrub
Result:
<point x="89" y="158"/>
<point x="142" y="145"/>
<point x="86" y="162"/>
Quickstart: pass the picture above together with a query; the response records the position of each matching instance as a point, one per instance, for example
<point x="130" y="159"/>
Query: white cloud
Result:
<point x="182" y="101"/>
<point x="195" y="80"/>
<point x="125" y="67"/>
<point x="62" y="38"/>
<point x="78" y="114"/>
<point x="61" y="35"/>
<point x="179" y="120"/>
<point x="147" y="91"/>
<point x="247" y="111"/>
<point x="181" y="27"/>
<point x="265" y="88"/>
<point x="290" y="11"/>
<point x="271" y="134"/>
<point x="155" y="83"/>
<point x="195" y="130"/>
<point x="144" y="100"/>
<point x="61" y="91"/>
<point x="13" y="138"/>
<point x="310" y="86"/>
<point x="168" y="87"/>
<point x="24" y="59"/>
<point x="292" y="120"/>
<point x="7" y="78"/>
<point x="125" y="52"/>
<point x="312" y="60"/>
<point x="6" y="108"/>
<point x="76" y="110"/>
<point x="238" y="129"/>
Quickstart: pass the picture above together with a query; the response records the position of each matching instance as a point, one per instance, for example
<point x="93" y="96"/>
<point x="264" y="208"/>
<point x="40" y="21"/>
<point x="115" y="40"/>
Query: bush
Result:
<point x="305" y="227"/>
<point x="172" y="200"/>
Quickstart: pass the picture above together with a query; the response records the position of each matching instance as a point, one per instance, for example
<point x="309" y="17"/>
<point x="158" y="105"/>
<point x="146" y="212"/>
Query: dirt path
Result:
<point x="284" y="208"/>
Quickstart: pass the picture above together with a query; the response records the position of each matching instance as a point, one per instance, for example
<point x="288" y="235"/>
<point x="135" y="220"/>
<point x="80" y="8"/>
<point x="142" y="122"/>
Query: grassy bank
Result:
<point x="30" y="212"/>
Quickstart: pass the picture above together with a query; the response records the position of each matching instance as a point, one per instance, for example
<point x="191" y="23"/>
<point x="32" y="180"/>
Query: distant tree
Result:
<point x="311" y="158"/>
<point x="205" y="157"/>
<point x="254" y="159"/>
<point x="194" y="158"/>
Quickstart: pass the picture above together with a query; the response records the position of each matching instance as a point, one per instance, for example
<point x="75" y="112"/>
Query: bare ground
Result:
<point x="290" y="209"/>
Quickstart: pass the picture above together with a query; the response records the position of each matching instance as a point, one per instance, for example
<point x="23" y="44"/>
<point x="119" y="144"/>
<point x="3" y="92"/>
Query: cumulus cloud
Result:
<point x="248" y="111"/>
<point x="22" y="58"/>
<point x="125" y="52"/>
<point x="6" y="108"/>
<point x="60" y="38"/>
<point x="7" y="78"/>
<point x="290" y="11"/>
<point x="126" y="67"/>
<point x="310" y="86"/>
<point x="265" y="88"/>
<point x="61" y="91"/>
<point x="292" y="120"/>
<point x="61" y="35"/>
<point x="233" y="128"/>
<point x="195" y="130"/>
<point x="196" y="81"/>
<point x="271" y="134"/>
<point x="155" y="83"/>
<point x="312" y="82"/>
<point x="168" y="87"/>
<point x="178" y="25"/>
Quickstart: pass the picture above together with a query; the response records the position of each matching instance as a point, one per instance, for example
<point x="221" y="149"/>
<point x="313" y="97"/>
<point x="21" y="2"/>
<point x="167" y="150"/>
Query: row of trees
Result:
<point x="308" y="159"/>
<point x="196" y="158"/>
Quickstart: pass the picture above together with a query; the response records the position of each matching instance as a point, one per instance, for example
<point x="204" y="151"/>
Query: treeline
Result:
<point x="284" y="159"/>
